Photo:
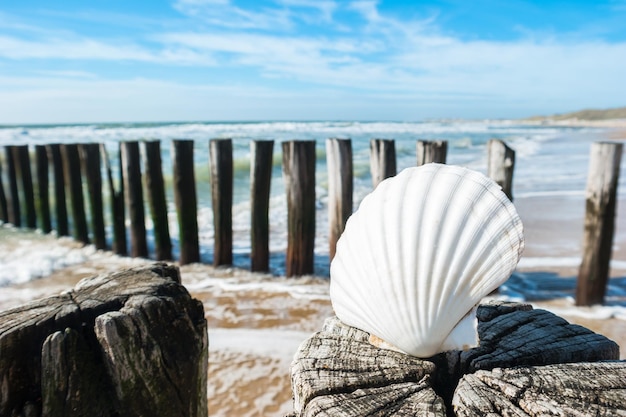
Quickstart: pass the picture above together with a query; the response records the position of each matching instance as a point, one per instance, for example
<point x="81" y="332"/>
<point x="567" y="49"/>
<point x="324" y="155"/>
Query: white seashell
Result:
<point x="420" y="252"/>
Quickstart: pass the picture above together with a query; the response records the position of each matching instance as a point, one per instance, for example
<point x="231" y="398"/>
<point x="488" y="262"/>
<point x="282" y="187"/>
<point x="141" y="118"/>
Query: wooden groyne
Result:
<point x="78" y="173"/>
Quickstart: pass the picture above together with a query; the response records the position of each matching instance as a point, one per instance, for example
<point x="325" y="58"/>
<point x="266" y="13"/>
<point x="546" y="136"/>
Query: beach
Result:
<point x="257" y="321"/>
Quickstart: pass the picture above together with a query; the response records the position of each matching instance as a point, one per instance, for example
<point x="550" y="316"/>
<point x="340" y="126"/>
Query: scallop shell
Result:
<point x="420" y="252"/>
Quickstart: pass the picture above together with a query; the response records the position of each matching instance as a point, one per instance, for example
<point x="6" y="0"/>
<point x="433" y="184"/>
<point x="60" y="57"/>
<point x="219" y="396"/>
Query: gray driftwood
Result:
<point x="338" y="372"/>
<point x="133" y="343"/>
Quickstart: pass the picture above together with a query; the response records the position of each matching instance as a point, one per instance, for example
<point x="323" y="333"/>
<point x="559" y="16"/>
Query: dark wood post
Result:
<point x="601" y="193"/>
<point x="299" y="176"/>
<point x="43" y="184"/>
<point x="14" y="210"/>
<point x="382" y="159"/>
<point x="71" y="169"/>
<point x="261" y="153"/>
<point x="431" y="151"/>
<point x="133" y="193"/>
<point x="340" y="188"/>
<point x="186" y="201"/>
<point x="4" y="209"/>
<point x="90" y="157"/>
<point x="155" y="187"/>
<point x="117" y="204"/>
<point x="60" y="205"/>
<point x="221" y="156"/>
<point x="500" y="165"/>
<point x="22" y="163"/>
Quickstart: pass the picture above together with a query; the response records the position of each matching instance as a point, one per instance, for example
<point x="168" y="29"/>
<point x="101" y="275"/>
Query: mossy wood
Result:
<point x="132" y="343"/>
<point x="338" y="372"/>
<point x="4" y="209"/>
<point x="155" y="188"/>
<point x="22" y="165"/>
<point x="299" y="177"/>
<point x="133" y="192"/>
<point x="43" y="193"/>
<point x="116" y="194"/>
<point x="340" y="188"/>
<point x="74" y="186"/>
<point x="60" y="204"/>
<point x="186" y="200"/>
<point x="431" y="151"/>
<point x="221" y="167"/>
<point x="382" y="160"/>
<point x="261" y="161"/>
<point x="14" y="211"/>
<point x="92" y="171"/>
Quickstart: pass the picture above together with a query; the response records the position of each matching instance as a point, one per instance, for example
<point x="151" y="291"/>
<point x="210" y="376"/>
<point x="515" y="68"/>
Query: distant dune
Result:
<point x="587" y="114"/>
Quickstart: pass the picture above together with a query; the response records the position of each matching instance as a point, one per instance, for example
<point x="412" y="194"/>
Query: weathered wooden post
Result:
<point x="299" y="177"/>
<point x="4" y="209"/>
<point x="601" y="193"/>
<point x="118" y="211"/>
<point x="431" y="151"/>
<point x="500" y="165"/>
<point x="71" y="169"/>
<point x="14" y="211"/>
<point x="43" y="199"/>
<point x="261" y="152"/>
<point x="340" y="187"/>
<point x="133" y="193"/>
<point x="382" y="159"/>
<point x="221" y="166"/>
<point x="60" y="206"/>
<point x="22" y="163"/>
<point x="90" y="158"/>
<point x="186" y="201"/>
<point x="155" y="187"/>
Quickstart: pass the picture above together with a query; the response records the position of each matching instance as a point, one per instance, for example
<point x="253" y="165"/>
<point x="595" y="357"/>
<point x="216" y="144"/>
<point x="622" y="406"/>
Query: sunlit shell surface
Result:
<point x="420" y="252"/>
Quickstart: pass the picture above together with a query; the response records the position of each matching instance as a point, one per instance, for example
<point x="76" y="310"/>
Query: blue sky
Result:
<point x="157" y="60"/>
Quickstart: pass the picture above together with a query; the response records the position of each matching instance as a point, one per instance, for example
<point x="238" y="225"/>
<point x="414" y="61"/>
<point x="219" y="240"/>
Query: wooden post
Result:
<point x="601" y="193"/>
<point x="382" y="159"/>
<point x="431" y="151"/>
<point x="14" y="210"/>
<point x="261" y="153"/>
<point x="117" y="205"/>
<point x="133" y="194"/>
<point x="60" y="206"/>
<point x="90" y="157"/>
<point x="340" y="187"/>
<point x="43" y="183"/>
<point x="500" y="165"/>
<point x="71" y="169"/>
<point x="155" y="187"/>
<point x="4" y="209"/>
<point x="299" y="177"/>
<point x="22" y="163"/>
<point x="221" y="161"/>
<point x="186" y="201"/>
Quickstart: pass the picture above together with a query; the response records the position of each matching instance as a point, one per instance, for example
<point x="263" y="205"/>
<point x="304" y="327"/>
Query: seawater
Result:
<point x="550" y="160"/>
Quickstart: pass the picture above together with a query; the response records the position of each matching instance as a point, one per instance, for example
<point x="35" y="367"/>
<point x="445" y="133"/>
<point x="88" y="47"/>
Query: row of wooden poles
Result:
<point x="73" y="163"/>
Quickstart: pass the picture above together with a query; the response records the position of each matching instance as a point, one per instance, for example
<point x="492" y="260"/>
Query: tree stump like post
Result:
<point x="340" y="187"/>
<point x="71" y="168"/>
<point x="14" y="211"/>
<point x="431" y="151"/>
<point x="221" y="166"/>
<point x="500" y="165"/>
<point x="299" y="177"/>
<point x="382" y="159"/>
<point x="186" y="200"/>
<point x="133" y="192"/>
<point x="45" y="223"/>
<point x="90" y="158"/>
<point x="155" y="187"/>
<point x="22" y="160"/>
<point x="117" y="204"/>
<point x="261" y="152"/>
<point x="601" y="193"/>
<point x="60" y="205"/>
